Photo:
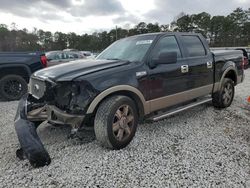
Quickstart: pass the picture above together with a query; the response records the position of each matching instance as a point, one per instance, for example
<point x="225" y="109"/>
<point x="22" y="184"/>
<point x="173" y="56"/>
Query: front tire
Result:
<point x="13" y="87"/>
<point x="116" y="122"/>
<point x="224" y="97"/>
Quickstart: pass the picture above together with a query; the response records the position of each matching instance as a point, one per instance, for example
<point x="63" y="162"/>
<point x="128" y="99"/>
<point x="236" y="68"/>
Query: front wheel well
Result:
<point x="130" y="94"/>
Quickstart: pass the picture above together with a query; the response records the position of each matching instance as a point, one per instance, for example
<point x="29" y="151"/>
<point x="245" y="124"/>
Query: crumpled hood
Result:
<point x="74" y="69"/>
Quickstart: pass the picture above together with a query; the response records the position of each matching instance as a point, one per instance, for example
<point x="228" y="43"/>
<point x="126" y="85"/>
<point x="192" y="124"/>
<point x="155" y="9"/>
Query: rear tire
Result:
<point x="224" y="97"/>
<point x="12" y="87"/>
<point x="116" y="122"/>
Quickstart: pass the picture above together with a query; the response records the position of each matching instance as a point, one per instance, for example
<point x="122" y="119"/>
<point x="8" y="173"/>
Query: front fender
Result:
<point x="118" y="88"/>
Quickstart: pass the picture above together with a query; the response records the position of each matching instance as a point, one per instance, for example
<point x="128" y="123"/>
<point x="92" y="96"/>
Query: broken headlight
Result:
<point x="74" y="97"/>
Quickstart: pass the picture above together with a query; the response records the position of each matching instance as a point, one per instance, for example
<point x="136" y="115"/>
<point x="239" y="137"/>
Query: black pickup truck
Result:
<point x="15" y="71"/>
<point x="150" y="76"/>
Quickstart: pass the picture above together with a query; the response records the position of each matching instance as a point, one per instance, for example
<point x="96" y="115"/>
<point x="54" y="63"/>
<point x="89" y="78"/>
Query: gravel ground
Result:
<point x="202" y="147"/>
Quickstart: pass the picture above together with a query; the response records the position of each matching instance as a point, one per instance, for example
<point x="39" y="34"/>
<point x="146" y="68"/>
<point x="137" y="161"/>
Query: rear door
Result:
<point x="200" y="65"/>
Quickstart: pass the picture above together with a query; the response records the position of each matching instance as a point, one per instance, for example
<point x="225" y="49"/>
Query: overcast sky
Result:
<point x="83" y="16"/>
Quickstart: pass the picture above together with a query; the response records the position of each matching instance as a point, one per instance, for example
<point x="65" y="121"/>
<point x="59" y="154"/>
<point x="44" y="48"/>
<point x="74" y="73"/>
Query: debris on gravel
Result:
<point x="201" y="147"/>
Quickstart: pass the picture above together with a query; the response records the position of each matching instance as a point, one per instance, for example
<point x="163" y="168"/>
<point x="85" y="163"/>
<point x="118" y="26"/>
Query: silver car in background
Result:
<point x="59" y="57"/>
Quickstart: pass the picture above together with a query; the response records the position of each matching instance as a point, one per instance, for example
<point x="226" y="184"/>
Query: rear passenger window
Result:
<point x="166" y="44"/>
<point x="194" y="46"/>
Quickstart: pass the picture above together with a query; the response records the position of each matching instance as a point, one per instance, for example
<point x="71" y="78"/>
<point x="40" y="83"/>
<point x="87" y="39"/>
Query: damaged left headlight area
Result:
<point x="62" y="102"/>
<point x="58" y="103"/>
<point x="73" y="97"/>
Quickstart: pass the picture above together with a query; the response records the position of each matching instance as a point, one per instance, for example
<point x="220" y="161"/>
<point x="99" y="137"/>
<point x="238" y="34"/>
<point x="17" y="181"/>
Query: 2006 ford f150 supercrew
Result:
<point x="148" y="76"/>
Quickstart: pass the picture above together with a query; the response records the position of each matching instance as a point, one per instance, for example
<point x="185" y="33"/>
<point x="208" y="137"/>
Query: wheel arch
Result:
<point x="229" y="71"/>
<point x="232" y="75"/>
<point x="20" y="70"/>
<point x="126" y="90"/>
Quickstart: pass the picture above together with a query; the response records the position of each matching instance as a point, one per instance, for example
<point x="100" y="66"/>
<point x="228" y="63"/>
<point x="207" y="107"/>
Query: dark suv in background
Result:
<point x="15" y="71"/>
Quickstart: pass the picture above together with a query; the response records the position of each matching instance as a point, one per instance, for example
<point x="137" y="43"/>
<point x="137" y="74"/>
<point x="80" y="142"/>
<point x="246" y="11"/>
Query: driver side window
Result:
<point x="166" y="44"/>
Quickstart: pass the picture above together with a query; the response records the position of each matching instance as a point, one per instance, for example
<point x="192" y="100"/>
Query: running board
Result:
<point x="183" y="108"/>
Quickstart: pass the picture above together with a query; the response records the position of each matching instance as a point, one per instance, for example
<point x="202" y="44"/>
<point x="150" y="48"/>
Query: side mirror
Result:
<point x="164" y="58"/>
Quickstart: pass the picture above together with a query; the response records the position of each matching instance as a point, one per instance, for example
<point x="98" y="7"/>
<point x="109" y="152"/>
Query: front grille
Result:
<point x="37" y="87"/>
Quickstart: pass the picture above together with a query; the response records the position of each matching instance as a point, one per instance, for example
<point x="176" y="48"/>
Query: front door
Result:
<point x="167" y="81"/>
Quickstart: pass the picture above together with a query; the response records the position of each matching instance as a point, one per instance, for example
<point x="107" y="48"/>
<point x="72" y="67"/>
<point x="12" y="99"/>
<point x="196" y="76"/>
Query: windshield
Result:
<point x="130" y="49"/>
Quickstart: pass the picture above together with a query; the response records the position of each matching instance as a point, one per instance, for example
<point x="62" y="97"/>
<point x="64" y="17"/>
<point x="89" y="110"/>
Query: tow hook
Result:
<point x="31" y="145"/>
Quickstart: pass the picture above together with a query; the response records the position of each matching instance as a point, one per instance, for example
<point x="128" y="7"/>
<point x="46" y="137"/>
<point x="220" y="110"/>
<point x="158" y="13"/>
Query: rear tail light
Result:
<point x="244" y="63"/>
<point x="44" y="60"/>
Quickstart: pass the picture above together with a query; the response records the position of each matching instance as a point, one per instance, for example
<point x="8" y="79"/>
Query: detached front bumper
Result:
<point x="31" y="145"/>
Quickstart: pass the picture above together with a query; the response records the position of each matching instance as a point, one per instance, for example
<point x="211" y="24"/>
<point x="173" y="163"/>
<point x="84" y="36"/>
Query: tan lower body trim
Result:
<point x="155" y="104"/>
<point x="167" y="101"/>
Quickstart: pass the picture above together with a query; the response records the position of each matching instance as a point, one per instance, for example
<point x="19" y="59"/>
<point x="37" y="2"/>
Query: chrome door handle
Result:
<point x="184" y="68"/>
<point x="209" y="64"/>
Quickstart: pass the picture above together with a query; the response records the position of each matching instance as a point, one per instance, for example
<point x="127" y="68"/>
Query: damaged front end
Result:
<point x="58" y="103"/>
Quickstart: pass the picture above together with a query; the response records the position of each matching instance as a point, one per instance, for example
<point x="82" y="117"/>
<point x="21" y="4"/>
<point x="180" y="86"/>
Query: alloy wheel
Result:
<point x="227" y="93"/>
<point x="123" y="123"/>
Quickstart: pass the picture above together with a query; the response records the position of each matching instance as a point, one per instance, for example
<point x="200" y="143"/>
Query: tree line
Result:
<point x="230" y="30"/>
